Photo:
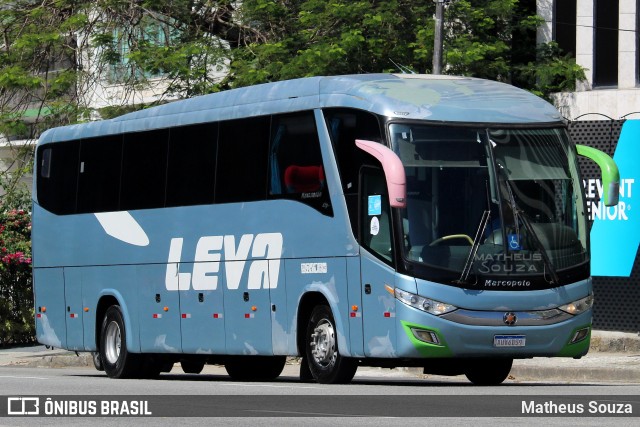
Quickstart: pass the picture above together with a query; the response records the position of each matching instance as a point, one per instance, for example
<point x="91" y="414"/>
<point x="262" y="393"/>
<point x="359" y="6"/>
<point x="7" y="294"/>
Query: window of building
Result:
<point x="149" y="32"/>
<point x="565" y="26"/>
<point x="605" y="70"/>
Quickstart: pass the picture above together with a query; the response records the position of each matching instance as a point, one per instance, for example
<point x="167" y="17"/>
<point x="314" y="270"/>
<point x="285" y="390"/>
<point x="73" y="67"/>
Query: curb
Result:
<point x="614" y="342"/>
<point x="63" y="361"/>
<point x="629" y="374"/>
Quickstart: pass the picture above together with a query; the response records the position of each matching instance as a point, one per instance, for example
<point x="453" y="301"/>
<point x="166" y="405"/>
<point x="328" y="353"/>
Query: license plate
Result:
<point x="509" y="340"/>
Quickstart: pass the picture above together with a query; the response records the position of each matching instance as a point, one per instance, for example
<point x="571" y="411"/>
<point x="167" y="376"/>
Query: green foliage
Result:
<point x="493" y="39"/>
<point x="316" y="37"/>
<point x="553" y="72"/>
<point x="16" y="285"/>
<point x="56" y="52"/>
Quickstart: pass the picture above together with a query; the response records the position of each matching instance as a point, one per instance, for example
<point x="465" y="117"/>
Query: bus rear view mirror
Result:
<point x="610" y="173"/>
<point x="393" y="171"/>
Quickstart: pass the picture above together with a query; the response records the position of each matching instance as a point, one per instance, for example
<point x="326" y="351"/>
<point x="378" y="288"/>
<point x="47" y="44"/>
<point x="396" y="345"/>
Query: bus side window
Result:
<point x="345" y="126"/>
<point x="375" y="222"/>
<point x="192" y="165"/>
<point x="241" y="174"/>
<point x="99" y="169"/>
<point x="295" y="162"/>
<point x="144" y="170"/>
<point x="57" y="177"/>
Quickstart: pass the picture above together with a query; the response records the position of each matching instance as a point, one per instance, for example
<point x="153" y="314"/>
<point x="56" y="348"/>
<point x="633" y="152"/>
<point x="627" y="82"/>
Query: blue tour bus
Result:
<point x="375" y="220"/>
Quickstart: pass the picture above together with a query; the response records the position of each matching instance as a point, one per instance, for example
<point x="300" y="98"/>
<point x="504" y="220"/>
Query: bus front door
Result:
<point x="378" y="307"/>
<point x="378" y="275"/>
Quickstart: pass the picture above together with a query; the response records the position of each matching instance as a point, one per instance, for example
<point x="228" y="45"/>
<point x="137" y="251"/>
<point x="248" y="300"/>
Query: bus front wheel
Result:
<point x="116" y="360"/>
<point x="489" y="371"/>
<point x="326" y="364"/>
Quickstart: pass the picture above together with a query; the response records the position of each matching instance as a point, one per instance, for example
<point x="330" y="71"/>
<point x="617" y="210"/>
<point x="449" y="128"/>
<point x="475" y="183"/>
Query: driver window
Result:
<point x="375" y="214"/>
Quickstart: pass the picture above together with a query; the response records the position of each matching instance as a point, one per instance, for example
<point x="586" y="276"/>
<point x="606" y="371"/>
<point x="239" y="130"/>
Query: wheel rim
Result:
<point x="323" y="343"/>
<point x="113" y="342"/>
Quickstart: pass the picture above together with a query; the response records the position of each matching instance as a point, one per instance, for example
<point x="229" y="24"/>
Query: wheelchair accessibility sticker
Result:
<point x="514" y="242"/>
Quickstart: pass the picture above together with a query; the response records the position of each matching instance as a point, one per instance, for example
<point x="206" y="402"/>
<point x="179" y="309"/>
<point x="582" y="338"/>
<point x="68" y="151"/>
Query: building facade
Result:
<point x="604" y="112"/>
<point x="602" y="35"/>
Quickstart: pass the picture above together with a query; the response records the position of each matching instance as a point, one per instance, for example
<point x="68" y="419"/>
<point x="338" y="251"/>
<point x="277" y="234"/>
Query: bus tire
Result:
<point x="255" y="368"/>
<point x="489" y="371"/>
<point x="97" y="360"/>
<point x="191" y="366"/>
<point x="116" y="360"/>
<point x="326" y="364"/>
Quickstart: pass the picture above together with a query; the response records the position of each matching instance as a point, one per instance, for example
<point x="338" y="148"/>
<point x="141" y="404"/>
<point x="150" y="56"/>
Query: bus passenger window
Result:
<point x="192" y="165"/>
<point x="243" y="147"/>
<point x="295" y="162"/>
<point x="345" y="126"/>
<point x="58" y="177"/>
<point x="144" y="169"/>
<point x="99" y="168"/>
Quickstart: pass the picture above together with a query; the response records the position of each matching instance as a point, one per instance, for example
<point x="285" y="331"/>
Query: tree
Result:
<point x="56" y="55"/>
<point x="339" y="37"/>
<point x="494" y="39"/>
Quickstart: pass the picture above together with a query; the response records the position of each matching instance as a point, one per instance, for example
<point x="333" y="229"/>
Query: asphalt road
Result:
<point x="375" y="397"/>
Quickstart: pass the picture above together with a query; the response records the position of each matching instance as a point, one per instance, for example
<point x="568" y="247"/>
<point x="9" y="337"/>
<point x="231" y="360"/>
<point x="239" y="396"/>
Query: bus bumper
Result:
<point x="451" y="339"/>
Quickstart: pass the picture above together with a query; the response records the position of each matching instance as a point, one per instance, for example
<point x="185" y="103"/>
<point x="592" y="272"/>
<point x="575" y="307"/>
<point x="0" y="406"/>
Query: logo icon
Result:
<point x="23" y="406"/>
<point x="510" y="318"/>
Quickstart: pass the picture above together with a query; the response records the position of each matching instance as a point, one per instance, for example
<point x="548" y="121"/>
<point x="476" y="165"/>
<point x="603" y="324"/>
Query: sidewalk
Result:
<point x="614" y="356"/>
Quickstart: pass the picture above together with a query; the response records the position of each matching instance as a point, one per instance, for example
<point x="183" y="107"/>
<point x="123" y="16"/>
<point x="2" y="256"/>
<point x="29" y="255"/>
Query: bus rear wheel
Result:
<point x="489" y="371"/>
<point x="326" y="364"/>
<point x="116" y="360"/>
<point x="257" y="368"/>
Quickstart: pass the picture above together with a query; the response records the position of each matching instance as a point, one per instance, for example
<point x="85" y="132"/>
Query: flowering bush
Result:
<point x="16" y="283"/>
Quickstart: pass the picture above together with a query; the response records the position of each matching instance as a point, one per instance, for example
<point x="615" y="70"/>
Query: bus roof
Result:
<point x="438" y="98"/>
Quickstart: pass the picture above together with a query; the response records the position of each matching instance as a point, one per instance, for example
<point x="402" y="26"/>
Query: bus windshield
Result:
<point x="491" y="203"/>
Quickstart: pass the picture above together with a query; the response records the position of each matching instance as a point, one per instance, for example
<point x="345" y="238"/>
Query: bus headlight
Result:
<point x="425" y="304"/>
<point x="578" y="306"/>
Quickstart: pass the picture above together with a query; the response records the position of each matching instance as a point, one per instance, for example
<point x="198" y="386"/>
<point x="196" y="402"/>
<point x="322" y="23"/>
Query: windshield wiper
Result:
<point x="545" y="257"/>
<point x="519" y="214"/>
<point x="474" y="248"/>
